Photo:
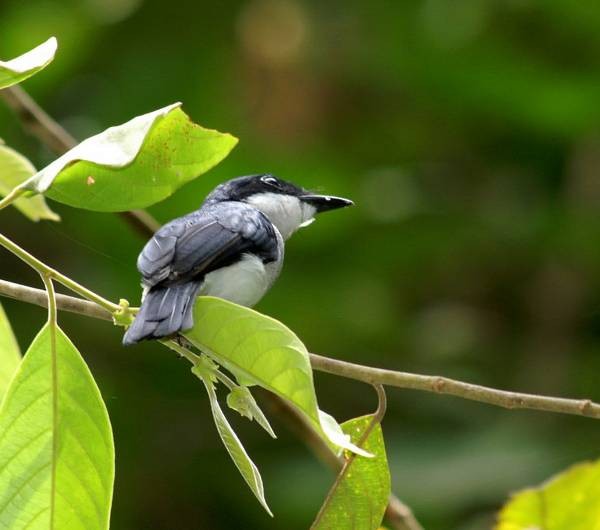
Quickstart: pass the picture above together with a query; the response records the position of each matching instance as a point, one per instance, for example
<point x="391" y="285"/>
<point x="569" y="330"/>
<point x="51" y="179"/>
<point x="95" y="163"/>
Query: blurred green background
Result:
<point x="468" y="134"/>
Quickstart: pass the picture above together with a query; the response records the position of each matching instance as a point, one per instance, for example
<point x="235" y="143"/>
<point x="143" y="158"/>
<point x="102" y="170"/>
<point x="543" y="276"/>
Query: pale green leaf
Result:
<point x="259" y="349"/>
<point x="10" y="355"/>
<point x="358" y="499"/>
<point x="56" y="446"/>
<point x="135" y="164"/>
<point x="569" y="501"/>
<point x="234" y="447"/>
<point x="242" y="401"/>
<point x="14" y="170"/>
<point x="24" y="66"/>
<point x="239" y="398"/>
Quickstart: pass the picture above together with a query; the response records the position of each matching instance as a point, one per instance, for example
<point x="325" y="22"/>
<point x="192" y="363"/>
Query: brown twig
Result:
<point x="444" y="385"/>
<point x="36" y="121"/>
<point x="63" y="302"/>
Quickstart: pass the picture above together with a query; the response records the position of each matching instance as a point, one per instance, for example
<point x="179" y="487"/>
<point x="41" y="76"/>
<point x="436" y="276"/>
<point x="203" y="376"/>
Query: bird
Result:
<point x="232" y="247"/>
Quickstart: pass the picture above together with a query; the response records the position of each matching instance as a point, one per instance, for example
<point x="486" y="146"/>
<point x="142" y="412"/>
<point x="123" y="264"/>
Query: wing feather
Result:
<point x="195" y="244"/>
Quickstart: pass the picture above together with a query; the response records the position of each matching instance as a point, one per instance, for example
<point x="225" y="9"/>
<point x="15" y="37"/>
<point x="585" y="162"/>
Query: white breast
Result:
<point x="244" y="282"/>
<point x="286" y="212"/>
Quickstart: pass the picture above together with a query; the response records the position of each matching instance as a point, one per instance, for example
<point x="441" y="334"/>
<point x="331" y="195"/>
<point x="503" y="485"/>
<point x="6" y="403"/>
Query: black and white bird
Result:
<point x="232" y="247"/>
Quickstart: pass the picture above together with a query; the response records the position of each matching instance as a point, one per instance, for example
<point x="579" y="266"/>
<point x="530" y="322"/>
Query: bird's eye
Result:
<point x="271" y="181"/>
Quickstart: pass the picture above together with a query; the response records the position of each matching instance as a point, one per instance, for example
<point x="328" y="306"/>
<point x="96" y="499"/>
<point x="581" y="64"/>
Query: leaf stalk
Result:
<point x="47" y="271"/>
<point x="11" y="197"/>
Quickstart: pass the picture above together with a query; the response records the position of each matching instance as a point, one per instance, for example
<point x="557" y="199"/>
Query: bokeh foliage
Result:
<point x="467" y="134"/>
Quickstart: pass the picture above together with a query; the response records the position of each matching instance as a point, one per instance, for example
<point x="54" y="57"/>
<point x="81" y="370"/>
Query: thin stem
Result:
<point x="84" y="291"/>
<point x="44" y="269"/>
<point x="51" y="297"/>
<point x="183" y="352"/>
<point x="141" y="222"/>
<point x="226" y="380"/>
<point x="36" y="121"/>
<point x="444" y="385"/>
<point x="64" y="302"/>
<point x="11" y="197"/>
<point x="381" y="404"/>
<point x="194" y="358"/>
<point x="400" y="516"/>
<point x="25" y="256"/>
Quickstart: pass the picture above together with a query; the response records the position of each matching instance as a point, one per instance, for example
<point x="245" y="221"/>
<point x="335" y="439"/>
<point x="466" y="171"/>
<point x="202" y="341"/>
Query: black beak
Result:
<point x="324" y="203"/>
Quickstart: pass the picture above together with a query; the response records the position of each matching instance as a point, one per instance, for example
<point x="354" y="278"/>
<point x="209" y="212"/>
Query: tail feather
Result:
<point x="165" y="311"/>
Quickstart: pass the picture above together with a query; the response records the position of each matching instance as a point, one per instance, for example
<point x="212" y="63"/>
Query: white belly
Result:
<point x="244" y="282"/>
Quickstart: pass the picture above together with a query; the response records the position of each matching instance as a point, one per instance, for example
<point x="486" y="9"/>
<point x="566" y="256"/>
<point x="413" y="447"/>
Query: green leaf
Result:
<point x="233" y="445"/>
<point x="569" y="501"/>
<point x="259" y="349"/>
<point x="56" y="446"/>
<point x="360" y="495"/>
<point x="14" y="170"/>
<point x="135" y="164"/>
<point x="24" y="66"/>
<point x="10" y="354"/>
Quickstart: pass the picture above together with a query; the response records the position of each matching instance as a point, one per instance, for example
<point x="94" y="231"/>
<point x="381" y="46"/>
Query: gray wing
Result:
<point x="193" y="245"/>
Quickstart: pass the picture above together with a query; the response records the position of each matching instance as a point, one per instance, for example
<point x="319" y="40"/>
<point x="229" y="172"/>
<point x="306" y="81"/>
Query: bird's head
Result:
<point x="287" y="205"/>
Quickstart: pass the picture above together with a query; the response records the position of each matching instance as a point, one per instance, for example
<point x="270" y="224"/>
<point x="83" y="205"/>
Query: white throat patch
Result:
<point x="286" y="212"/>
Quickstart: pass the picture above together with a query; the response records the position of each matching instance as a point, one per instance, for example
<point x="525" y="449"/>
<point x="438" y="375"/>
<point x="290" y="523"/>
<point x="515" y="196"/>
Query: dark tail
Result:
<point x="165" y="311"/>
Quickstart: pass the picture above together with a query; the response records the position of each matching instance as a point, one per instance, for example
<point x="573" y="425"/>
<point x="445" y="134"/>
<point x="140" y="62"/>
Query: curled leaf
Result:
<point x="336" y="435"/>
<point x="24" y="66"/>
<point x="133" y="165"/>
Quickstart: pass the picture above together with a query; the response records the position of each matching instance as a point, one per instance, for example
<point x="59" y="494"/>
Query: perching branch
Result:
<point x="366" y="374"/>
<point x="63" y="302"/>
